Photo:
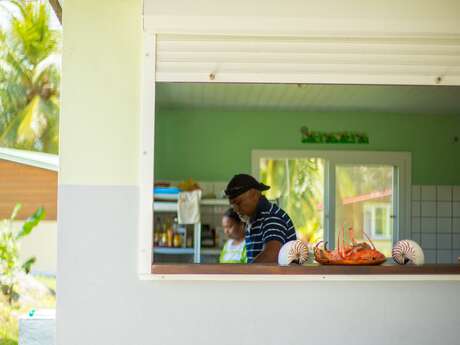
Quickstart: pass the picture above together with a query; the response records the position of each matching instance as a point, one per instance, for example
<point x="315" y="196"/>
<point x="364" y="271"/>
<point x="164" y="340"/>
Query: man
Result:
<point x="268" y="227"/>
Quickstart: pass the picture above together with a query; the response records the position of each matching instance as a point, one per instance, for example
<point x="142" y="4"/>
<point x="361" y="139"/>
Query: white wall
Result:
<point x="100" y="298"/>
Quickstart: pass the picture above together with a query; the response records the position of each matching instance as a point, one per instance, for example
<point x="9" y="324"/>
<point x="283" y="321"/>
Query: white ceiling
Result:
<point x="436" y="100"/>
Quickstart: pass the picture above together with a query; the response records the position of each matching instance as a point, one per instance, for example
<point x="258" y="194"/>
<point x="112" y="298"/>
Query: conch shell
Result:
<point x="293" y="252"/>
<point x="408" y="251"/>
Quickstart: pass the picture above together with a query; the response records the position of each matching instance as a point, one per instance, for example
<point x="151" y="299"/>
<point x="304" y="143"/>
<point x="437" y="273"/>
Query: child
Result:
<point x="234" y="251"/>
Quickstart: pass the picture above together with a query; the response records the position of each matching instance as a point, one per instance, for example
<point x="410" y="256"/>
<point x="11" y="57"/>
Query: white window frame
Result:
<point x="373" y="207"/>
<point x="146" y="168"/>
<point x="146" y="159"/>
<point x="401" y="161"/>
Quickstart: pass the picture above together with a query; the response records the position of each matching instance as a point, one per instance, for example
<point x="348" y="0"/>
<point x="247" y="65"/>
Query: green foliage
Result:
<point x="9" y="313"/>
<point x="362" y="179"/>
<point x="26" y="266"/>
<point x="298" y="186"/>
<point x="31" y="222"/>
<point x="10" y="265"/>
<point x="8" y="323"/>
<point x="29" y="79"/>
<point x="333" y="137"/>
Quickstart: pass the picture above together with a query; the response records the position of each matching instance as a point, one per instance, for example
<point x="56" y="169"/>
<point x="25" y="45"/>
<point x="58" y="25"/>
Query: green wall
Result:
<point x="214" y="145"/>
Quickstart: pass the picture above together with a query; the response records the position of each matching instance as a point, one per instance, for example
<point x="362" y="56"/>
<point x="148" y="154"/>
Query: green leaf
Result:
<point x="16" y="209"/>
<point x="33" y="123"/>
<point x="29" y="78"/>
<point x="32" y="222"/>
<point x="26" y="266"/>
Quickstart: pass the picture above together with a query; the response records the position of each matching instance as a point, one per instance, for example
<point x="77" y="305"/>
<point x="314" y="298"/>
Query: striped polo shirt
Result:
<point x="269" y="223"/>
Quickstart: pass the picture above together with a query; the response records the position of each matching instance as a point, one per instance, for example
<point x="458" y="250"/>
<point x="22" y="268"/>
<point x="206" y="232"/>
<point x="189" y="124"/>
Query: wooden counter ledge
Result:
<point x="309" y="269"/>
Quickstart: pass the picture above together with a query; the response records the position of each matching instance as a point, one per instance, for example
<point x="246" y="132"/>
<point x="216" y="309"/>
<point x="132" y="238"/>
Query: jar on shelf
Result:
<point x="169" y="234"/>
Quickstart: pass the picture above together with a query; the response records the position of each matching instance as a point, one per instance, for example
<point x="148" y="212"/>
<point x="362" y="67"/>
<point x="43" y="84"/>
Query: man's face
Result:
<point x="245" y="204"/>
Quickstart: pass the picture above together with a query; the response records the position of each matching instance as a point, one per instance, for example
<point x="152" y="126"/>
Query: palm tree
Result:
<point x="298" y="186"/>
<point x="29" y="79"/>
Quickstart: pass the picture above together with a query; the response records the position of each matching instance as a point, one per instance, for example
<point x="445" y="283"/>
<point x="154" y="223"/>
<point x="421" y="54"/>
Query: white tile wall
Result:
<point x="444" y="256"/>
<point x="417" y="237"/>
<point x="416" y="209"/>
<point x="444" y="193"/>
<point x="430" y="255"/>
<point x="456" y="208"/>
<point x="429" y="241"/>
<point x="456" y="193"/>
<point x="436" y="222"/>
<point x="428" y="193"/>
<point x="444" y="241"/>
<point x="444" y="209"/>
<point x="456" y="225"/>
<point x="456" y="241"/>
<point x="416" y="227"/>
<point x="219" y="188"/>
<point x="428" y="208"/>
<point x="444" y="225"/>
<point x="416" y="192"/>
<point x="428" y="224"/>
<point x="456" y="256"/>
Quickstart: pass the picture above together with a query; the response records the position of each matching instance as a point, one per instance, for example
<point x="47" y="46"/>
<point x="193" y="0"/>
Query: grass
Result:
<point x="8" y="324"/>
<point x="9" y="315"/>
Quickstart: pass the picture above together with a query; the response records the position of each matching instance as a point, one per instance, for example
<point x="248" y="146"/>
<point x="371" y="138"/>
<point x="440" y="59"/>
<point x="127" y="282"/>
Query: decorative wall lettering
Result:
<point x="333" y="137"/>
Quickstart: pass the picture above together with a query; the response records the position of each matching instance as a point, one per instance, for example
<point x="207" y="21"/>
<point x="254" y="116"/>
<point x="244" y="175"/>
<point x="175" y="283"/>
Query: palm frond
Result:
<point x="9" y="134"/>
<point x="32" y="34"/>
<point x="33" y="123"/>
<point x="29" y="79"/>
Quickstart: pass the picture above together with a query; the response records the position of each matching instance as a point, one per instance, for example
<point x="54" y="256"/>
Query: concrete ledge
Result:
<point x="38" y="328"/>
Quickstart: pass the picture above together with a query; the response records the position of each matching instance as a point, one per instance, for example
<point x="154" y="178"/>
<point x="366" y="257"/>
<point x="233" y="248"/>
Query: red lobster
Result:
<point x="358" y="253"/>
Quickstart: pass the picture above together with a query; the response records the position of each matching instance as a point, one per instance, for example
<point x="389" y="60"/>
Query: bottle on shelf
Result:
<point x="157" y="232"/>
<point x="208" y="236"/>
<point x="169" y="233"/>
<point x="182" y="231"/>
<point x="177" y="239"/>
<point x="189" y="239"/>
<point x="163" y="240"/>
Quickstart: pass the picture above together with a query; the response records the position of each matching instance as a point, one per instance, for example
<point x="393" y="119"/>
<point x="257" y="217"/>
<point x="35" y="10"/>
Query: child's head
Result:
<point x="233" y="226"/>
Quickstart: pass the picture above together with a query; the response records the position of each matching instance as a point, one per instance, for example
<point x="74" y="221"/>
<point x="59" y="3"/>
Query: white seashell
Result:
<point x="408" y="251"/>
<point x="293" y="251"/>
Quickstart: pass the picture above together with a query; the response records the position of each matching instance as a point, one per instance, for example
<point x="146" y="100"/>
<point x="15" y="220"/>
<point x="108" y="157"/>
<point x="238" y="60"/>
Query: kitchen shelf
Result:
<point x="185" y="251"/>
<point x="169" y="250"/>
<point x="165" y="206"/>
<point x="210" y="251"/>
<point x="197" y="251"/>
<point x="171" y="206"/>
<point x="214" y="202"/>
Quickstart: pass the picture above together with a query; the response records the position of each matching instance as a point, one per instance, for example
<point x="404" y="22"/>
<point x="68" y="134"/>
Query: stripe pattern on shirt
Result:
<point x="270" y="223"/>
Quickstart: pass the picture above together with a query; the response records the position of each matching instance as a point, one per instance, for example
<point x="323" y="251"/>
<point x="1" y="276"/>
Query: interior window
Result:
<point x="207" y="132"/>
<point x="363" y="202"/>
<point x="363" y="195"/>
<point x="298" y="187"/>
